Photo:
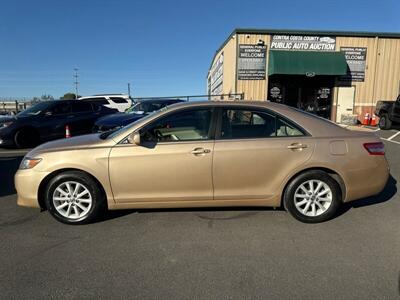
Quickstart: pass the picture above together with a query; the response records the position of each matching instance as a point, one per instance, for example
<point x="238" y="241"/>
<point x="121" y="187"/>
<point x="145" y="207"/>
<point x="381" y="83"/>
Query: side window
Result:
<point x="101" y="100"/>
<point x="61" y="108"/>
<point x="118" y="100"/>
<point x="181" y="126"/>
<point x="283" y="128"/>
<point x="242" y="124"/>
<point x="81" y="106"/>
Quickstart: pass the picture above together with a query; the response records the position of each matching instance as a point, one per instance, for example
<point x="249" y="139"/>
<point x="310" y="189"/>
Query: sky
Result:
<point x="162" y="48"/>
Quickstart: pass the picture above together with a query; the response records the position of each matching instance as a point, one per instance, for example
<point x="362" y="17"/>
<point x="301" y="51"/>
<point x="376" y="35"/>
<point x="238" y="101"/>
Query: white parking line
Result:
<point x="393" y="136"/>
<point x="390" y="141"/>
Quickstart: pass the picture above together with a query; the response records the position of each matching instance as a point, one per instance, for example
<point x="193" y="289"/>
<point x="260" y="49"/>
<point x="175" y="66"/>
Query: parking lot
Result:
<point x="250" y="253"/>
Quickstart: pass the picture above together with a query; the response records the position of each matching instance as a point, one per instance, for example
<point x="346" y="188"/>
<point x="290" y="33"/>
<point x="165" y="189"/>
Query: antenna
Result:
<point x="76" y="82"/>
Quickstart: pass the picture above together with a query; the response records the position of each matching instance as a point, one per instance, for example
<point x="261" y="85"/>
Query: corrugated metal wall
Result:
<point x="382" y="73"/>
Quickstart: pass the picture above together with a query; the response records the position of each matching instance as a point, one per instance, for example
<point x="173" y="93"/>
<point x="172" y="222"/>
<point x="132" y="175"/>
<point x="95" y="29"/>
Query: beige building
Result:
<point x="330" y="73"/>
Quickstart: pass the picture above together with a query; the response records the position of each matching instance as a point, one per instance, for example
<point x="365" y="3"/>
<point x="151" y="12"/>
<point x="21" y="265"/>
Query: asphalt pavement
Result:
<point x="246" y="253"/>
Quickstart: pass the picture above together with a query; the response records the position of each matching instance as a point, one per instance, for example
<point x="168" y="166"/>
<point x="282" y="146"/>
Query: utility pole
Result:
<point x="129" y="89"/>
<point x="76" y="82"/>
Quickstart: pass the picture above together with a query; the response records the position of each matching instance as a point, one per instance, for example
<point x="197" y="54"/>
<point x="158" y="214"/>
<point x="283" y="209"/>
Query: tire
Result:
<point x="26" y="138"/>
<point x="309" y="208"/>
<point x="384" y="122"/>
<point x="75" y="210"/>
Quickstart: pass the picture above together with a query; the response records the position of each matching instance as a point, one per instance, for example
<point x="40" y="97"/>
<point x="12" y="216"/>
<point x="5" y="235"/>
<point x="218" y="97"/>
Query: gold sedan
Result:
<point x="206" y="154"/>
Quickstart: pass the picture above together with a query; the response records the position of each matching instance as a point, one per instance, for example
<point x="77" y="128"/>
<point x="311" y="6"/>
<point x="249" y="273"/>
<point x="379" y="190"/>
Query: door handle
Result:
<point x="70" y="116"/>
<point x="296" y="146"/>
<point x="197" y="151"/>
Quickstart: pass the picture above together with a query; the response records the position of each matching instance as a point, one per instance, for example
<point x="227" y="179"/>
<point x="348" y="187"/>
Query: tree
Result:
<point x="68" y="96"/>
<point x="45" y="97"/>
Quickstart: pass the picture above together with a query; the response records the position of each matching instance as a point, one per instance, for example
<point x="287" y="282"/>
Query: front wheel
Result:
<point x="74" y="198"/>
<point x="384" y="122"/>
<point x="312" y="197"/>
<point x="26" y="138"/>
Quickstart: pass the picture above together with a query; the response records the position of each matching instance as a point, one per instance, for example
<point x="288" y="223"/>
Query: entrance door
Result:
<point x="345" y="103"/>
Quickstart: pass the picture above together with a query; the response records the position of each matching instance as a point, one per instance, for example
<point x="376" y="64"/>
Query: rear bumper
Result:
<point x="367" y="180"/>
<point x="27" y="184"/>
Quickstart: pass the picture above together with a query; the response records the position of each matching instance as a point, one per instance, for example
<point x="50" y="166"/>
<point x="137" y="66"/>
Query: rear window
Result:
<point x="118" y="100"/>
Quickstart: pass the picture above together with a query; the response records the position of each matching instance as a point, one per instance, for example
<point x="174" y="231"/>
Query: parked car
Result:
<point x="132" y="114"/>
<point x="388" y="113"/>
<point x="47" y="120"/>
<point x="198" y="154"/>
<point x="120" y="102"/>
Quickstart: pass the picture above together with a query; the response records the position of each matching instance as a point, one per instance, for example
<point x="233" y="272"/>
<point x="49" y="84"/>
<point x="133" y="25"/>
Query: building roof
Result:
<point x="306" y="32"/>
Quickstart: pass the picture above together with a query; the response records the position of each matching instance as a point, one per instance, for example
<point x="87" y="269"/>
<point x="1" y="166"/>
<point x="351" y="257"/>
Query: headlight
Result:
<point x="5" y="124"/>
<point x="29" y="163"/>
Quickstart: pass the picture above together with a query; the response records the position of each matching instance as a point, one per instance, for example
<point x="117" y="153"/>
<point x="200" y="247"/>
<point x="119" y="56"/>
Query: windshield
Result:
<point x="34" y="110"/>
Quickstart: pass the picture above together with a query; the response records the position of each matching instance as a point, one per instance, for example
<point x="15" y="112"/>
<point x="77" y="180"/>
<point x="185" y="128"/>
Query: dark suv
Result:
<point x="132" y="114"/>
<point x="47" y="121"/>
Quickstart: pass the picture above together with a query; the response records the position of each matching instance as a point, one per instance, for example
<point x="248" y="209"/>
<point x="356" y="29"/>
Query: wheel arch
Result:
<point x="43" y="184"/>
<point x="335" y="175"/>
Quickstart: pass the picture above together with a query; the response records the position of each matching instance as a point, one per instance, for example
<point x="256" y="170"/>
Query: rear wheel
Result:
<point x="26" y="138"/>
<point x="74" y="198"/>
<point x="384" y="122"/>
<point x="313" y="197"/>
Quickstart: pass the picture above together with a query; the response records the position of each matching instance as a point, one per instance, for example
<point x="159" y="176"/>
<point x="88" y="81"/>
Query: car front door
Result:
<point x="172" y="163"/>
<point x="253" y="153"/>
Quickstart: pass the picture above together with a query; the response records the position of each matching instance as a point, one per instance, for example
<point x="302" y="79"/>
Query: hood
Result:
<point x="119" y="119"/>
<point x="73" y="143"/>
<point x="4" y="119"/>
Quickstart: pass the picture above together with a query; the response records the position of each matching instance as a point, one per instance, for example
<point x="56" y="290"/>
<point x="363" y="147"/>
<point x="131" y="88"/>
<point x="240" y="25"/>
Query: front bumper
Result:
<point x="27" y="184"/>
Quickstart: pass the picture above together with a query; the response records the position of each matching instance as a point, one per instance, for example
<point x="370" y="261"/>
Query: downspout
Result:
<point x="375" y="75"/>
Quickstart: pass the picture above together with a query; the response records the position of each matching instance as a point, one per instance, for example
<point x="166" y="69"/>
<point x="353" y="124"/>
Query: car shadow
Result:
<point x="387" y="194"/>
<point x="8" y="168"/>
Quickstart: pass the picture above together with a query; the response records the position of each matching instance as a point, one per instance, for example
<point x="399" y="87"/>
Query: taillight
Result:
<point x="375" y="148"/>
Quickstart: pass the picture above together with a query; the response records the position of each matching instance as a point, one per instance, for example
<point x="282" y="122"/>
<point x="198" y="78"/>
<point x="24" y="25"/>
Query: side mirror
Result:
<point x="134" y="138"/>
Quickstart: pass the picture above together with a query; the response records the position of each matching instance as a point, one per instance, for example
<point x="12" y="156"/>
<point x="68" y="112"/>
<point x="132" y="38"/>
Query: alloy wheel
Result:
<point x="72" y="200"/>
<point x="312" y="198"/>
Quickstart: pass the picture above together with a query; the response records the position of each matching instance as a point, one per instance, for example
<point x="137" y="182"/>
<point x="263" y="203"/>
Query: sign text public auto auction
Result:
<point x="303" y="43"/>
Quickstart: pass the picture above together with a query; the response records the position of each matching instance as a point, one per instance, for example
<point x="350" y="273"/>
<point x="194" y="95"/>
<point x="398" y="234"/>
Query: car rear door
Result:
<point x="173" y="162"/>
<point x="253" y="153"/>
<point x="52" y="125"/>
<point x="83" y="117"/>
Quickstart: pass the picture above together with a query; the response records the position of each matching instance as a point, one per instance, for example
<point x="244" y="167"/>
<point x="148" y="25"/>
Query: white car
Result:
<point x="118" y="101"/>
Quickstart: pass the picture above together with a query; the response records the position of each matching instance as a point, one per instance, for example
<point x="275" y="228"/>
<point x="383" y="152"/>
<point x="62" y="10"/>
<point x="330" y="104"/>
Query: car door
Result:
<point x="54" y="120"/>
<point x="253" y="153"/>
<point x="83" y="117"/>
<point x="396" y="110"/>
<point x="172" y="163"/>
